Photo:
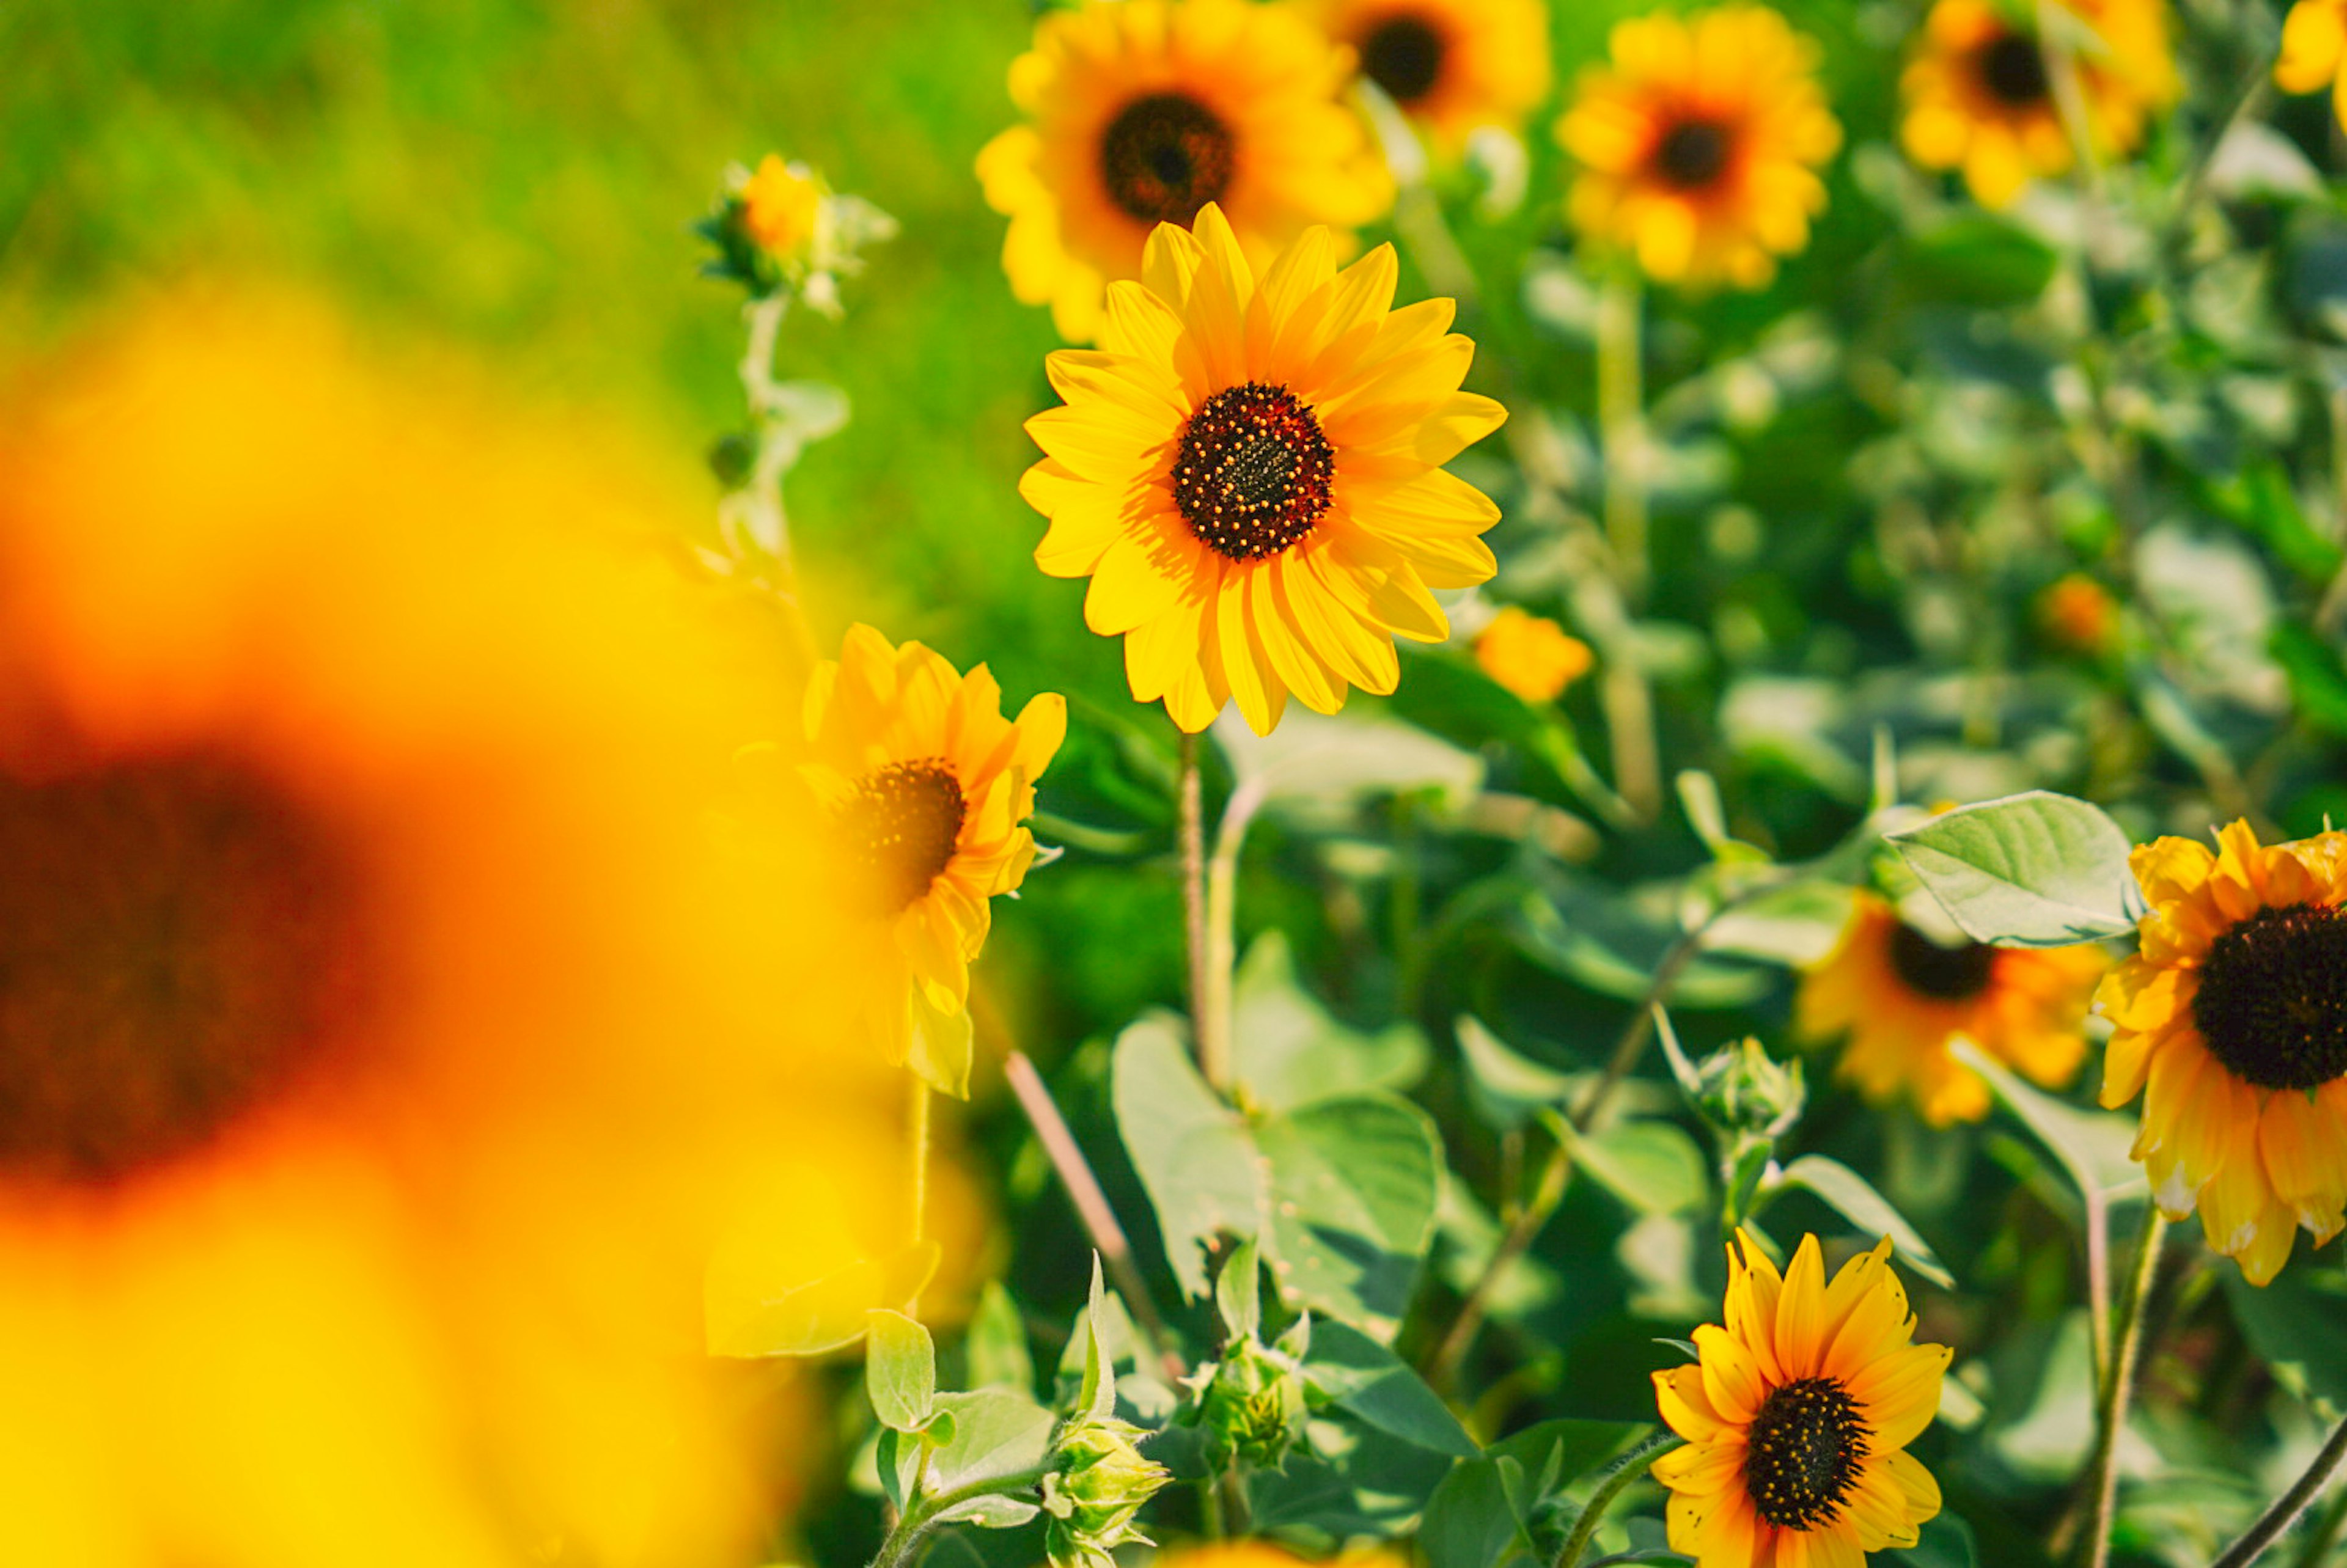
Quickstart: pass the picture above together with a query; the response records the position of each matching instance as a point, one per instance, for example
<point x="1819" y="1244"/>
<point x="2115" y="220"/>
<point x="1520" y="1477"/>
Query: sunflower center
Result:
<point x="1806" y="1444"/>
<point x="1404" y="56"/>
<point x="1943" y="974"/>
<point x="2013" y="70"/>
<point x="1692" y="154"/>
<point x="1253" y="471"/>
<point x="900" y="828"/>
<point x="1166" y="155"/>
<point x="2273" y="1003"/>
<point x="178" y="942"/>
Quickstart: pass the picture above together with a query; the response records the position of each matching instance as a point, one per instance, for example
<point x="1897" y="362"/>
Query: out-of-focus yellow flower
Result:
<point x="1250" y="474"/>
<point x="780" y="205"/>
<point x="1530" y="655"/>
<point x="2313" y="49"/>
<point x="1797" y="1418"/>
<point x="1981" y="94"/>
<point x="1699" y="145"/>
<point x="382" y="1038"/>
<point x="2079" y="612"/>
<point x="1453" y="66"/>
<point x="1901" y="997"/>
<point x="2231" y="1021"/>
<point x="926" y="787"/>
<point x="1142" y="112"/>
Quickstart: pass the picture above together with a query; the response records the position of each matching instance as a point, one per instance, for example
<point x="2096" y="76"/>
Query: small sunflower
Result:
<point x="1797" y="1418"/>
<point x="2314" y="50"/>
<point x="1142" y="112"/>
<point x="1901" y="996"/>
<point x="1530" y="655"/>
<point x="2234" y="1016"/>
<point x="1699" y="145"/>
<point x="926" y="785"/>
<point x="1251" y="475"/>
<point x="1454" y="66"/>
<point x="1980" y="91"/>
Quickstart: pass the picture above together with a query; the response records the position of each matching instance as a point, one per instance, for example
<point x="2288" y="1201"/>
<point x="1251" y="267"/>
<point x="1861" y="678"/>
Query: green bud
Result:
<point x="1741" y="1090"/>
<point x="1097" y="1485"/>
<point x="1253" y="1410"/>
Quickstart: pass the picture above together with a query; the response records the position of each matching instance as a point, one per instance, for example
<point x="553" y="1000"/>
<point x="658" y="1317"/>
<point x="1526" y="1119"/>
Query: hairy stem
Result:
<point x="2278" y="1519"/>
<point x="904" y="1542"/>
<point x="1626" y="1468"/>
<point x="1208" y="1023"/>
<point x="2118" y="1388"/>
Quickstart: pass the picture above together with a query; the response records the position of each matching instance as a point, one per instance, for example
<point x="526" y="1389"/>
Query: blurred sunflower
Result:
<point x="926" y="786"/>
<point x="380" y="1037"/>
<point x="1980" y="91"/>
<point x="1797" y="1418"/>
<point x="1454" y="66"/>
<point x="1530" y="655"/>
<point x="2234" y="1015"/>
<point x="1699" y="145"/>
<point x="2314" y="50"/>
<point x="1144" y="111"/>
<point x="1251" y="475"/>
<point x="1899" y="996"/>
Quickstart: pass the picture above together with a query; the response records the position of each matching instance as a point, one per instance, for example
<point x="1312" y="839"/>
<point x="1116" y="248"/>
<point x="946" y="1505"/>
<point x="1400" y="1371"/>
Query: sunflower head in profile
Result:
<point x="926" y="788"/>
<point x="1250" y="471"/>
<point x="1899" y="995"/>
<point x="1453" y="66"/>
<point x="1981" y="94"/>
<point x="1798" y="1417"/>
<point x="1699" y="145"/>
<point x="1141" y="112"/>
<point x="2232" y="1020"/>
<point x="2314" y="51"/>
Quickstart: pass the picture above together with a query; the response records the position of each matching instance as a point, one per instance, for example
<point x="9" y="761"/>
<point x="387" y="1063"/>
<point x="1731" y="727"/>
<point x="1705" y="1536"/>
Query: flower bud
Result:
<point x="1253" y="1410"/>
<point x="1099" y="1483"/>
<point x="1741" y="1090"/>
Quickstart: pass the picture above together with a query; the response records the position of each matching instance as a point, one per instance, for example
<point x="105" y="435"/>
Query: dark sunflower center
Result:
<point x="1943" y="974"/>
<point x="178" y="942"/>
<point x="900" y="828"/>
<point x="1404" y="56"/>
<point x="2013" y="70"/>
<point x="1254" y="470"/>
<point x="2273" y="1003"/>
<point x="1165" y="155"/>
<point x="1806" y="1444"/>
<point x="1693" y="153"/>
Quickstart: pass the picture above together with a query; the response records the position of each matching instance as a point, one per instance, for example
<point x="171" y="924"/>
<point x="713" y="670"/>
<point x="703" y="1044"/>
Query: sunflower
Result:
<point x="2313" y="49"/>
<point x="2234" y="1016"/>
<point x="1530" y="655"/>
<point x="1454" y="66"/>
<point x="1901" y="995"/>
<point x="1797" y="1418"/>
<point x="1699" y="147"/>
<point x="380" y="1037"/>
<point x="1142" y="112"/>
<point x="1981" y="93"/>
<point x="926" y="786"/>
<point x="1251" y="476"/>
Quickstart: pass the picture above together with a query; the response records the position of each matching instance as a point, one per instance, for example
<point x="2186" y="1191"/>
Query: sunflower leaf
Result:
<point x="2033" y="870"/>
<point x="900" y="1370"/>
<point x="1854" y="1198"/>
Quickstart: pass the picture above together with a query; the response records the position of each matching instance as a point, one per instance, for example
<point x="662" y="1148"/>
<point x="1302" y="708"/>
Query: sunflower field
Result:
<point x="1421" y="783"/>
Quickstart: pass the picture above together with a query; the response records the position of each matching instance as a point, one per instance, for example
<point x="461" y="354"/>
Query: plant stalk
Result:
<point x="2278" y="1519"/>
<point x="1626" y="1468"/>
<point x="1209" y="1022"/>
<point x="917" y="1137"/>
<point x="2118" y="1389"/>
<point x="903" y="1543"/>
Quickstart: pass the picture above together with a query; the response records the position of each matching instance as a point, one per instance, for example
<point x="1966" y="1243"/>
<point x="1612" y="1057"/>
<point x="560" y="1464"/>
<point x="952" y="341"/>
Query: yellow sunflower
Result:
<point x="1142" y="112"/>
<point x="1899" y="996"/>
<point x="1530" y="655"/>
<point x="926" y="786"/>
<point x="380" y="1037"/>
<point x="2313" y="49"/>
<point x="1797" y="1418"/>
<point x="1454" y="66"/>
<point x="1699" y="145"/>
<point x="2234" y="1016"/>
<point x="1979" y="93"/>
<point x="1251" y="475"/>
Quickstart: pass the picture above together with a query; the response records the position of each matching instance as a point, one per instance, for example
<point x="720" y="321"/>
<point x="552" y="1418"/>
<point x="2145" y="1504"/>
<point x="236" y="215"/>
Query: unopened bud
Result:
<point x="1099" y="1484"/>
<point x="1740" y="1089"/>
<point x="1253" y="1410"/>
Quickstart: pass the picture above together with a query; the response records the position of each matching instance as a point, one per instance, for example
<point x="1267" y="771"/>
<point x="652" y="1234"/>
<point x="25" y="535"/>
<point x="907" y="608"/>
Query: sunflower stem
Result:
<point x="2118" y="1386"/>
<point x="917" y="1139"/>
<point x="2325" y="1534"/>
<point x="1625" y="1469"/>
<point x="1622" y="425"/>
<point x="902" y="1546"/>
<point x="2278" y="1519"/>
<point x="1208" y="1023"/>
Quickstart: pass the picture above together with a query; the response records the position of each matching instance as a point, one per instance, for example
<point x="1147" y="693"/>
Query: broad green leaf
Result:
<point x="2034" y="870"/>
<point x="1595" y="936"/>
<point x="1319" y="769"/>
<point x="1193" y="1152"/>
<point x="1287" y="1049"/>
<point x="1795" y="924"/>
<point x="1351" y="1199"/>
<point x="1557" y="1453"/>
<point x="1653" y="1166"/>
<point x="1854" y="1198"/>
<point x="1946" y="1542"/>
<point x="997" y="1343"/>
<point x="1359" y="1375"/>
<point x="990" y="1512"/>
<point x="1470" y="1519"/>
<point x="900" y="1370"/>
<point x="2091" y="1145"/>
<point x="996" y="1434"/>
<point x="1377" y="1487"/>
<point x="2293" y="1323"/>
<point x="1979" y="261"/>
<point x="1507" y="1087"/>
<point x="1238" y="1293"/>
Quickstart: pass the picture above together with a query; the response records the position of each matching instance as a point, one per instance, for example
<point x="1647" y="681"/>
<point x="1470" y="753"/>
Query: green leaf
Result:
<point x="1238" y="1293"/>
<point x="1096" y="1397"/>
<point x="990" y="1512"/>
<point x="2293" y="1325"/>
<point x="900" y="1370"/>
<point x="997" y="1343"/>
<point x="1356" y="1373"/>
<point x="1795" y="924"/>
<point x="1351" y="1199"/>
<point x="1507" y="1087"/>
<point x="1193" y="1152"/>
<point x="2034" y="870"/>
<point x="1855" y="1199"/>
<point x="996" y="1434"/>
<point x="1319" y="769"/>
<point x="1977" y="260"/>
<point x="1287" y="1051"/>
<point x="1653" y="1166"/>
<point x="2091" y="1145"/>
<point x="1470" y="1521"/>
<point x="1946" y="1543"/>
